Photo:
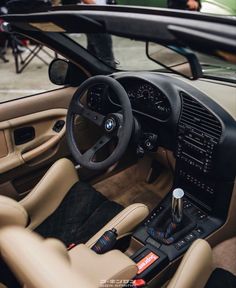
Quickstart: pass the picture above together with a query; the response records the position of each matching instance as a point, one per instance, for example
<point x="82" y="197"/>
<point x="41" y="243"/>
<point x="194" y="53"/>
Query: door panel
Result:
<point x="44" y="137"/>
<point x="3" y="145"/>
<point x="50" y="100"/>
<point x="31" y="139"/>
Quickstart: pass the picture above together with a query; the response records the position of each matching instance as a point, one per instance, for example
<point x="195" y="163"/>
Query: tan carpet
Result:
<point x="129" y="187"/>
<point x="224" y="255"/>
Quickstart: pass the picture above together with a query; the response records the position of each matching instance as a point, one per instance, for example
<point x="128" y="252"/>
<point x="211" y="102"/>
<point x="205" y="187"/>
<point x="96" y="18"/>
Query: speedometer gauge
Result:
<point x="145" y="92"/>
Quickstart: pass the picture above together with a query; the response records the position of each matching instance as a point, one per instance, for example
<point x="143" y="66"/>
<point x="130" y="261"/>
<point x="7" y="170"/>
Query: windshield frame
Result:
<point x="164" y="23"/>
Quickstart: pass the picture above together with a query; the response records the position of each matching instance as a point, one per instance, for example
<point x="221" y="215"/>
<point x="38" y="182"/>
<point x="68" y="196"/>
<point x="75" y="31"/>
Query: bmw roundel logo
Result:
<point x="110" y="124"/>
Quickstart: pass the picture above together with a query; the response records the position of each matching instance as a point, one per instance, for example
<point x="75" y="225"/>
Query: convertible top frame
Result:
<point x="205" y="33"/>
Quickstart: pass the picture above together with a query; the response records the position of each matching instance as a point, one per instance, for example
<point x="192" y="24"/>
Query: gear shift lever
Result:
<point x="166" y="230"/>
<point x="177" y="205"/>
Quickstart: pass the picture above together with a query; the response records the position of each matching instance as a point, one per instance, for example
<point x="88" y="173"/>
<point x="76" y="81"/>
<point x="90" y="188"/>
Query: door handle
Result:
<point x="23" y="135"/>
<point x="41" y="148"/>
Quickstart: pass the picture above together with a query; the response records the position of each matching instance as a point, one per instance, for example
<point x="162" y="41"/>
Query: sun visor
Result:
<point x="54" y="22"/>
<point x="204" y="40"/>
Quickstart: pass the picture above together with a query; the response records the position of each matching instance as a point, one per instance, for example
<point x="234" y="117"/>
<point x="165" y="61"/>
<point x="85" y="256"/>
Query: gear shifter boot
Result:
<point x="164" y="230"/>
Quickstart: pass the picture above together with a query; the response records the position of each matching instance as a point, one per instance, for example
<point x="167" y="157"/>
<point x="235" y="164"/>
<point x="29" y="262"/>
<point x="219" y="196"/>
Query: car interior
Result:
<point x="121" y="178"/>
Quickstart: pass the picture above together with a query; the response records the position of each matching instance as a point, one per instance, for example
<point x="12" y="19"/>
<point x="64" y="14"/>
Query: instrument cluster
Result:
<point x="145" y="98"/>
<point x="148" y="99"/>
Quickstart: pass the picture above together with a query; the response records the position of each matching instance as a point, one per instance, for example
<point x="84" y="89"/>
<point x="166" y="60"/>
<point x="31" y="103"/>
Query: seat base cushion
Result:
<point x="82" y="213"/>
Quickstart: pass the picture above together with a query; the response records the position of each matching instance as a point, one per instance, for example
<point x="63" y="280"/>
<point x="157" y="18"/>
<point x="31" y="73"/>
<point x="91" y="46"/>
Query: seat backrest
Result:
<point x="195" y="268"/>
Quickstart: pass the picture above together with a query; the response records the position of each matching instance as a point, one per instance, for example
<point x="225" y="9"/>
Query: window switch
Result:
<point x="58" y="126"/>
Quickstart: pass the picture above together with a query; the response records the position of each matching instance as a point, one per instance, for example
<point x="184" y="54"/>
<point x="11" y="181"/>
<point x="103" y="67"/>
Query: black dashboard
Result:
<point x="183" y="119"/>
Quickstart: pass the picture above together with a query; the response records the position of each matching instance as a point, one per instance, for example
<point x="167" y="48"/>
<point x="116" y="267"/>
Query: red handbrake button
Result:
<point x="138" y="283"/>
<point x="147" y="261"/>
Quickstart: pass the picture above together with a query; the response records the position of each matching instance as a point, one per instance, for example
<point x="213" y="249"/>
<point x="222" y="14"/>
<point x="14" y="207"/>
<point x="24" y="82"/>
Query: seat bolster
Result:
<point x="195" y="268"/>
<point x="124" y="222"/>
<point x="12" y="213"/>
<point x="47" y="195"/>
<point x="37" y="263"/>
<point x="58" y="246"/>
<point x="103" y="270"/>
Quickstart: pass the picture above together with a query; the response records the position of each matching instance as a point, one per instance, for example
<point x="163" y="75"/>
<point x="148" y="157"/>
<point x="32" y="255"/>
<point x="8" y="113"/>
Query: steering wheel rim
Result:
<point x="113" y="124"/>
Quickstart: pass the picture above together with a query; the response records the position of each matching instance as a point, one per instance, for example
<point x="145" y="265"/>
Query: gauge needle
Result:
<point x="139" y="96"/>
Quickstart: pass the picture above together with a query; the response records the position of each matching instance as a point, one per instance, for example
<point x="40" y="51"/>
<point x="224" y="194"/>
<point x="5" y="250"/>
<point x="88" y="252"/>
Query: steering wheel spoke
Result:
<point x="89" y="155"/>
<point x="119" y="132"/>
<point x="94" y="117"/>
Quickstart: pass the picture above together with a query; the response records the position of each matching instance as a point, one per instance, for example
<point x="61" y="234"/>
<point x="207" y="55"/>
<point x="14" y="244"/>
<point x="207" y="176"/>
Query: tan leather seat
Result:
<point x="45" y="198"/>
<point x="46" y="263"/>
<point x="48" y="194"/>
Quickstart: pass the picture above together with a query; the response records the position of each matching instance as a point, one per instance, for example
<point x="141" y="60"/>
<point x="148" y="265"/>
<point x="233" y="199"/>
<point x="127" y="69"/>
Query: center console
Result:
<point x="197" y="147"/>
<point x="199" y="133"/>
<point x="153" y="255"/>
<point x="204" y="224"/>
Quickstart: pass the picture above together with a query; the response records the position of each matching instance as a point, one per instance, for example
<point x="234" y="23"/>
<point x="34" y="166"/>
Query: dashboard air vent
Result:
<point x="196" y="116"/>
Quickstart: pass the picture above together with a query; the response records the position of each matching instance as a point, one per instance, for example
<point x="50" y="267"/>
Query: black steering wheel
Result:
<point x="117" y="125"/>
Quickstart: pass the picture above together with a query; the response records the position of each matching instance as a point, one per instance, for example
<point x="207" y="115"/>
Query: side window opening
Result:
<point x="23" y="68"/>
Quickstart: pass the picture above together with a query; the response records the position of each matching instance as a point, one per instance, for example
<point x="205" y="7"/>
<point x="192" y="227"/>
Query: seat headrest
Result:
<point x="12" y="213"/>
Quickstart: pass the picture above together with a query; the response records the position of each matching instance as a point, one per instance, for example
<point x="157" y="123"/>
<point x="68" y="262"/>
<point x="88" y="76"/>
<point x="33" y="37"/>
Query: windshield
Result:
<point x="130" y="55"/>
<point x="118" y="52"/>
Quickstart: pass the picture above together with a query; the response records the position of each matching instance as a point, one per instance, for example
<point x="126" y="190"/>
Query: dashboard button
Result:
<point x="179" y="245"/>
<point x="190" y="237"/>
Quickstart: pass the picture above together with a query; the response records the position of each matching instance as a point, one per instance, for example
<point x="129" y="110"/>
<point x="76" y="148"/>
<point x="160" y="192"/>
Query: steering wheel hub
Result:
<point x="110" y="124"/>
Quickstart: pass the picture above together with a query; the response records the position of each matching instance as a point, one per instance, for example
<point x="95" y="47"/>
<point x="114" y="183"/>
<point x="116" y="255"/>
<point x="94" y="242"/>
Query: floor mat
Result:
<point x="224" y="255"/>
<point x="221" y="278"/>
